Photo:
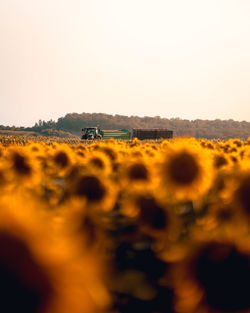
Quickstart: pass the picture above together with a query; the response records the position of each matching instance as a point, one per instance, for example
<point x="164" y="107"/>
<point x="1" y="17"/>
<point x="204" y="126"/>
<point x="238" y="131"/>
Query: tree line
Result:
<point x="72" y="123"/>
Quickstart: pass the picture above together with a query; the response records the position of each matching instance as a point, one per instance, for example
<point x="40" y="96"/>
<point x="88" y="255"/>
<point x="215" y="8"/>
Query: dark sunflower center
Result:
<point x="62" y="159"/>
<point x="91" y="188"/>
<point x="35" y="149"/>
<point x="2" y="178"/>
<point x="151" y="213"/>
<point x="224" y="274"/>
<point x="20" y="164"/>
<point x="97" y="162"/>
<point x="138" y="172"/>
<point x="243" y="194"/>
<point x="220" y="161"/>
<point x="225" y="214"/>
<point x="24" y="286"/>
<point x="81" y="154"/>
<point x="110" y="153"/>
<point x="183" y="169"/>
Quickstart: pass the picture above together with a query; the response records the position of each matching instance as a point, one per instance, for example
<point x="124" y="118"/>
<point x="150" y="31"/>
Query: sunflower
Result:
<point x="100" y="161"/>
<point x="88" y="227"/>
<point x="21" y="163"/>
<point x="241" y="196"/>
<point x="3" y="177"/>
<point x="135" y="171"/>
<point x="98" y="191"/>
<point x="21" y="167"/>
<point x="35" y="148"/>
<point x="2" y="150"/>
<point x="80" y="151"/>
<point x="186" y="171"/>
<point x="207" y="144"/>
<point x="224" y="185"/>
<point x="214" y="277"/>
<point x="61" y="159"/>
<point x="221" y="219"/>
<point x="152" y="217"/>
<point x="220" y="160"/>
<point x="40" y="272"/>
<point x="110" y="151"/>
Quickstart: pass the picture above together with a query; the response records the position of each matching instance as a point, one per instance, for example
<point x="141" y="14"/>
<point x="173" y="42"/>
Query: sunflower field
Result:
<point x="124" y="226"/>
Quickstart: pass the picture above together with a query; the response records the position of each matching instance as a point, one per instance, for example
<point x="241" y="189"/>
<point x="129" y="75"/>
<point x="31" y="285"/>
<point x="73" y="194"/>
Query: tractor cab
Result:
<point x="91" y="133"/>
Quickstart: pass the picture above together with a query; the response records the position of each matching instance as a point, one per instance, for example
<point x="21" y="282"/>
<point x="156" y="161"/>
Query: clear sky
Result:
<point x="172" y="58"/>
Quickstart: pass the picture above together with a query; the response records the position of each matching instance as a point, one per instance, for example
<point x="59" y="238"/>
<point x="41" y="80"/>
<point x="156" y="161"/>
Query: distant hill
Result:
<point x="18" y="133"/>
<point x="72" y="123"/>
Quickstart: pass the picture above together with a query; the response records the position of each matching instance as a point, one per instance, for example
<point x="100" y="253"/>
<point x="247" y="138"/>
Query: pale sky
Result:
<point x="173" y="58"/>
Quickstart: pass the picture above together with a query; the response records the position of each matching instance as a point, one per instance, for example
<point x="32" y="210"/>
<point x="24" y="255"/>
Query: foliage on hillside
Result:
<point x="17" y="133"/>
<point x="74" y="122"/>
<point x="47" y="132"/>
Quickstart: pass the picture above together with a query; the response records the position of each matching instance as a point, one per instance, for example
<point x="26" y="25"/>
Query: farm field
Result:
<point x="124" y="226"/>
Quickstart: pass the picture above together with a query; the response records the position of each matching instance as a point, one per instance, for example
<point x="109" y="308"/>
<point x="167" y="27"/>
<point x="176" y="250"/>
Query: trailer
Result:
<point x="140" y="133"/>
<point x="152" y="133"/>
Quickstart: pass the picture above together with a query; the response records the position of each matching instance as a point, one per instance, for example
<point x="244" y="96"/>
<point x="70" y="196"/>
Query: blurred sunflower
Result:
<point x="21" y="167"/>
<point x="20" y="162"/>
<point x="3" y="177"/>
<point x="35" y="147"/>
<point x="62" y="159"/>
<point x="100" y="161"/>
<point x="214" y="277"/>
<point x="220" y="219"/>
<point x="88" y="227"/>
<point x="186" y="171"/>
<point x="135" y="171"/>
<point x="151" y="216"/>
<point x="241" y="196"/>
<point x="220" y="160"/>
<point x="81" y="147"/>
<point x="208" y="144"/>
<point x="39" y="272"/>
<point x="224" y="185"/>
<point x="80" y="152"/>
<point x="153" y="220"/>
<point x="134" y="142"/>
<point x="97" y="191"/>
<point x="110" y="151"/>
<point x="2" y="150"/>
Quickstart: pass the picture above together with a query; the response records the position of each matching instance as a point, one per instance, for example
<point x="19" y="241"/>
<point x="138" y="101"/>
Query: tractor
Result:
<point x="91" y="133"/>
